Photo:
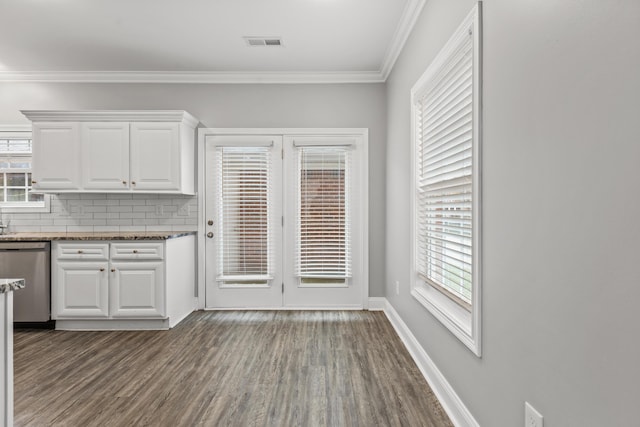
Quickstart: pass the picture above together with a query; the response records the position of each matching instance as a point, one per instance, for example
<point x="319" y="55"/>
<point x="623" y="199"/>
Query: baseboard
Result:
<point x="450" y="401"/>
<point x="377" y="303"/>
<point x="288" y="308"/>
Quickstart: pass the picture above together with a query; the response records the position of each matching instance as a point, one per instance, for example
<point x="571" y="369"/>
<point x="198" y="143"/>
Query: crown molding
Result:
<point x="213" y="77"/>
<point x="408" y="19"/>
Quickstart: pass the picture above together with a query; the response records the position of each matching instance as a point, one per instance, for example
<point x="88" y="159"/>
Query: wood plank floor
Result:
<point x="226" y="368"/>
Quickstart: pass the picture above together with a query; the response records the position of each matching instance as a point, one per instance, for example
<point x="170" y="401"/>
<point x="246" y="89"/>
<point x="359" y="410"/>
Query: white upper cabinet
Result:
<point x="113" y="151"/>
<point x="154" y="148"/>
<point x="56" y="156"/>
<point x="105" y="155"/>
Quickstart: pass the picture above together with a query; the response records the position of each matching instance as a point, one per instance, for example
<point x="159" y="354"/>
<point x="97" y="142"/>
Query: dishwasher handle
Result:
<point x="19" y="246"/>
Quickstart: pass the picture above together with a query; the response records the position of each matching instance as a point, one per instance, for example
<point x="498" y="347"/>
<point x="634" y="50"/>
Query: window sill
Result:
<point x="26" y="208"/>
<point x="455" y="318"/>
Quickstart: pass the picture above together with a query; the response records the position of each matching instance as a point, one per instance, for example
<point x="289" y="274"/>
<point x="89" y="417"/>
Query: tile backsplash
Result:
<point x="111" y="213"/>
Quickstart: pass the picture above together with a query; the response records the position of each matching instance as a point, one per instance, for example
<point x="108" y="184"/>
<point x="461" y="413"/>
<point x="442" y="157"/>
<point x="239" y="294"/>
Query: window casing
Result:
<point x="446" y="120"/>
<point x="15" y="173"/>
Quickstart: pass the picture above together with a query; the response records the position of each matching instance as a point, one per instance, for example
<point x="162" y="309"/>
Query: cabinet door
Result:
<point x="155" y="156"/>
<point x="105" y="155"/>
<point x="80" y="290"/>
<point x="56" y="151"/>
<point x="137" y="289"/>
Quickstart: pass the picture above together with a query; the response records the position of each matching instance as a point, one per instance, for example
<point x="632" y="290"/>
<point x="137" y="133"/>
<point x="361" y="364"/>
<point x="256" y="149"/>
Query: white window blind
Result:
<point x="444" y="174"/>
<point x="244" y="251"/>
<point x="323" y="241"/>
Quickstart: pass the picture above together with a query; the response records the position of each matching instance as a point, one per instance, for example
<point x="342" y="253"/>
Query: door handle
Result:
<point x="210" y="235"/>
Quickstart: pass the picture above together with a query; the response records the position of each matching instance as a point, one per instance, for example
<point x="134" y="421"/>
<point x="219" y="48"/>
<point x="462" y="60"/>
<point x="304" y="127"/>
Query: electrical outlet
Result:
<point x="397" y="288"/>
<point x="532" y="418"/>
<point x="159" y="210"/>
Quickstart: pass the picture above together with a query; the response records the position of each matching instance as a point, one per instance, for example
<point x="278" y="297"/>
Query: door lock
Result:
<point x="210" y="235"/>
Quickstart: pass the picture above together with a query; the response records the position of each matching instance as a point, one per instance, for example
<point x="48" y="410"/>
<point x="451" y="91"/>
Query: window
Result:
<point x="446" y="184"/>
<point x="15" y="173"/>
<point x="323" y="241"/>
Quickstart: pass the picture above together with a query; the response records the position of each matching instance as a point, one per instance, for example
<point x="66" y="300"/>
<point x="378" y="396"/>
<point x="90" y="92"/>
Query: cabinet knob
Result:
<point x="210" y="222"/>
<point x="80" y="252"/>
<point x="113" y="270"/>
<point x="102" y="269"/>
<point x="34" y="182"/>
<point x="210" y="235"/>
<point x="133" y="183"/>
<point x="124" y="182"/>
<point x="135" y="251"/>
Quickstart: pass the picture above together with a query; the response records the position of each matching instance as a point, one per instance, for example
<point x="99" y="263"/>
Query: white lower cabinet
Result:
<point x="137" y="289"/>
<point x="117" y="285"/>
<point x="82" y="289"/>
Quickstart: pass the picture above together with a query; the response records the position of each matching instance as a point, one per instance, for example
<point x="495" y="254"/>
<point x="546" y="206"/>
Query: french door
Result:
<point x="284" y="221"/>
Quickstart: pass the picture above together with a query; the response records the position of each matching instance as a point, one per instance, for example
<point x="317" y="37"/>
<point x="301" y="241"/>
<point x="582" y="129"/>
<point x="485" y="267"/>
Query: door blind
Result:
<point x="444" y="166"/>
<point x="323" y="240"/>
<point x="244" y="248"/>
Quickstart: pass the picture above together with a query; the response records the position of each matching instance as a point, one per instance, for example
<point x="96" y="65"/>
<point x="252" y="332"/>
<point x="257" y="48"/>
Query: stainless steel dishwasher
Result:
<point x="30" y="261"/>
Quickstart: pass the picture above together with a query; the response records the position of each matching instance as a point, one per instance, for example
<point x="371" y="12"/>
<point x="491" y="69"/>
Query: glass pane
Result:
<point x="36" y="197"/>
<point x="21" y="145"/>
<point x="323" y="244"/>
<point x="4" y="145"/>
<point x="16" y="180"/>
<point x="243" y="211"/>
<point x="4" y="163"/>
<point x="20" y="163"/>
<point x="29" y="180"/>
<point x="16" y="195"/>
<point x="1" y="195"/>
<point x="1" y="180"/>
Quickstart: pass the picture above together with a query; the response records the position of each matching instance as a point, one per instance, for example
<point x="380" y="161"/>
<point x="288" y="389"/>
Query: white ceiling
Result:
<point x="202" y="40"/>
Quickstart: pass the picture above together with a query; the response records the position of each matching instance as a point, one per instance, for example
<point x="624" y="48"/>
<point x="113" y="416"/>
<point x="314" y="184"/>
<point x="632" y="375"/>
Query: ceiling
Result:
<point x="202" y="40"/>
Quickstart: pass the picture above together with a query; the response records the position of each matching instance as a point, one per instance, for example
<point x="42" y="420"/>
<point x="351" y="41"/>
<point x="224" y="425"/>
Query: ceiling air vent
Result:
<point x="263" y="41"/>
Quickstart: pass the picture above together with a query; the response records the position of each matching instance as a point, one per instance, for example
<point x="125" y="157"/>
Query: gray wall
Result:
<point x="560" y="210"/>
<point x="346" y="105"/>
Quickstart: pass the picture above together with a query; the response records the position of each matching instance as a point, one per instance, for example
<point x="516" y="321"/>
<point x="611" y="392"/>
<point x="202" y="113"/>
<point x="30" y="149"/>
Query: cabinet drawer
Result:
<point x="82" y="251"/>
<point x="137" y="251"/>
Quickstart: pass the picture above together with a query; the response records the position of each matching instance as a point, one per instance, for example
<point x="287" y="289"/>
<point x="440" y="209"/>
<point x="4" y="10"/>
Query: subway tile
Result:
<point x="106" y="228"/>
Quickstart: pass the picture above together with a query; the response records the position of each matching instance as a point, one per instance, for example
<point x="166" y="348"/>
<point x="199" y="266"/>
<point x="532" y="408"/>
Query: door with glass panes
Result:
<point x="284" y="221"/>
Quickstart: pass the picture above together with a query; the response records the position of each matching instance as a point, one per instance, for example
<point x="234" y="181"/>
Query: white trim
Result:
<point x="407" y="21"/>
<point x="454" y="406"/>
<point x="377" y="303"/>
<point x="16" y="128"/>
<point x="288" y="308"/>
<point x="466" y="327"/>
<point x="27" y="207"/>
<point x="209" y="77"/>
<point x="111" y="116"/>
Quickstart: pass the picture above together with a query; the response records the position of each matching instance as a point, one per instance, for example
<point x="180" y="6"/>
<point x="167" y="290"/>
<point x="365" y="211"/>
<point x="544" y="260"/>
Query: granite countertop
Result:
<point x="8" y="285"/>
<point x="129" y="235"/>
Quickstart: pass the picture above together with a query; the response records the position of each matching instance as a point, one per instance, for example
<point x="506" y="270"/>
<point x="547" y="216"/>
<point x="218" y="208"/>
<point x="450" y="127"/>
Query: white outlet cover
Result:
<point x="532" y="418"/>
